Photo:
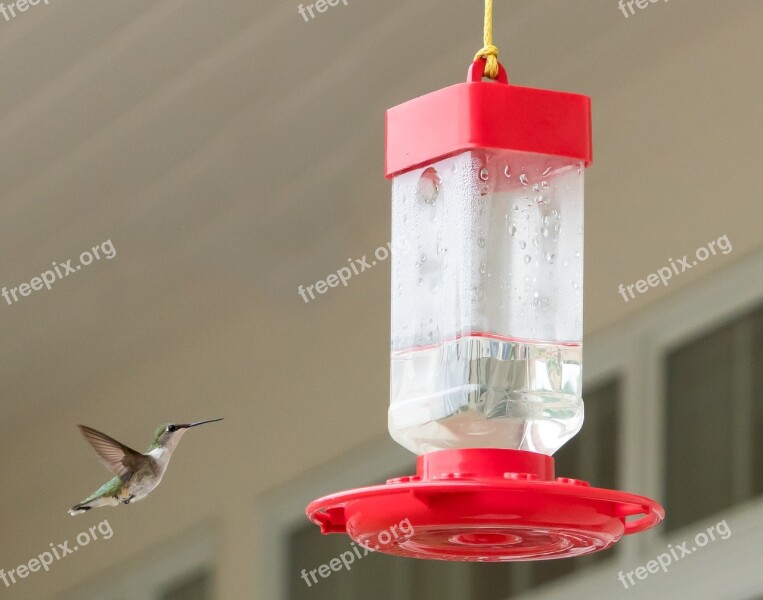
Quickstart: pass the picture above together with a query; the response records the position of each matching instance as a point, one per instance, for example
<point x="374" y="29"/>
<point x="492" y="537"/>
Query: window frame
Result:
<point x="145" y="577"/>
<point x="635" y="351"/>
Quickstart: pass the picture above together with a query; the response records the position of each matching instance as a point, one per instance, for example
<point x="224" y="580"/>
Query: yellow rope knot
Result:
<point x="488" y="51"/>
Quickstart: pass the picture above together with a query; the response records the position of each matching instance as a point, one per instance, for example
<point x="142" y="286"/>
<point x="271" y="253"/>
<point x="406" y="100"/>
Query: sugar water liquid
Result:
<point x="487" y="274"/>
<point x="486" y="392"/>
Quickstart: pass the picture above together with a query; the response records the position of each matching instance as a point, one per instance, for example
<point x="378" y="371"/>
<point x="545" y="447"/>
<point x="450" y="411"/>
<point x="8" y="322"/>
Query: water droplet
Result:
<point x="429" y="186"/>
<point x="544" y="185"/>
<point x="527" y="259"/>
<point x="423" y="258"/>
<point x="507" y="171"/>
<point x="522" y="244"/>
<point x="536" y="295"/>
<point x="420" y="281"/>
<point x="536" y="187"/>
<point x="481" y="242"/>
<point x="512" y="230"/>
<point x="544" y="232"/>
<point x="541" y="199"/>
<point x="574" y="285"/>
<point x="523" y="179"/>
<point x="484" y="174"/>
<point x="577" y="253"/>
<point x="535" y="241"/>
<point x="550" y="257"/>
<point x="546" y="172"/>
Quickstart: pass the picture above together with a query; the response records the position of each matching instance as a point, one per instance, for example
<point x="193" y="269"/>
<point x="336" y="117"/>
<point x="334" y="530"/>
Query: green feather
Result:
<point x="157" y="434"/>
<point x="110" y="488"/>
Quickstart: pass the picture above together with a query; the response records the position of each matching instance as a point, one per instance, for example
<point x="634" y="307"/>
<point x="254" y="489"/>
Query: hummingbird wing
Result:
<point x="115" y="456"/>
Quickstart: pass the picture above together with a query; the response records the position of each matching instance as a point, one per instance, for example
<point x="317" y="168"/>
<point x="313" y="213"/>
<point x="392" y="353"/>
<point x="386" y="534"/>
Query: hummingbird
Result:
<point x="136" y="474"/>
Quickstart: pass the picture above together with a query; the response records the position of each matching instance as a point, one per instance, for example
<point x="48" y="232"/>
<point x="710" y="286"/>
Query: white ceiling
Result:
<point x="232" y="151"/>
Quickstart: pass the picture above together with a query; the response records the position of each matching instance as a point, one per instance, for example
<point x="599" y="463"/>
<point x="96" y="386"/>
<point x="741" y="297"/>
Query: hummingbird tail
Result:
<point x="85" y="506"/>
<point x="78" y="509"/>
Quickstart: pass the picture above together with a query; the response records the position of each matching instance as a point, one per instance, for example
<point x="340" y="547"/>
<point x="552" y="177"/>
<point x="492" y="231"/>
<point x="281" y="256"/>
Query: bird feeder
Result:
<point x="487" y="325"/>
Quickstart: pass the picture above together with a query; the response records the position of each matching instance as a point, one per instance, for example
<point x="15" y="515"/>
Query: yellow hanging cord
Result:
<point x="489" y="51"/>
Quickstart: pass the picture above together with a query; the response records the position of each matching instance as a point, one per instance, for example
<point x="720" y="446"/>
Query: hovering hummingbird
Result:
<point x="136" y="474"/>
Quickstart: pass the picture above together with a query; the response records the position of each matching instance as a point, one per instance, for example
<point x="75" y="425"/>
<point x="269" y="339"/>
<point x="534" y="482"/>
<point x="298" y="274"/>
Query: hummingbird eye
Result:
<point x="171" y="428"/>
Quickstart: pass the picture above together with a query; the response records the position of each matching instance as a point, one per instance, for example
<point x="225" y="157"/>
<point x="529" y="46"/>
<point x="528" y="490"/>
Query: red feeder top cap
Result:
<point x="494" y="114"/>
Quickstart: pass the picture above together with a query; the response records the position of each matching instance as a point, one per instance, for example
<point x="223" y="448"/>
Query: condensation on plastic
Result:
<point x="487" y="301"/>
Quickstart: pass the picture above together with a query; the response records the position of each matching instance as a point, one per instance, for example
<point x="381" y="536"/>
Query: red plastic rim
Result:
<point x="485" y="505"/>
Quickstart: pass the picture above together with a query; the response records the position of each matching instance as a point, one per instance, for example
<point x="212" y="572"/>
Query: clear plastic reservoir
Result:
<point x="487" y="301"/>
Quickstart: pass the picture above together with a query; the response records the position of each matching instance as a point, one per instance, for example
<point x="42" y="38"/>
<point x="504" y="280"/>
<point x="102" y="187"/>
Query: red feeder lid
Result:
<point x="479" y="114"/>
<point x="485" y="505"/>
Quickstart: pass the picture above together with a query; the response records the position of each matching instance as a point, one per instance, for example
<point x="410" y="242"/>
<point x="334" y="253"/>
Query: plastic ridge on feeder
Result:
<point x="486" y="505"/>
<point x="487" y="327"/>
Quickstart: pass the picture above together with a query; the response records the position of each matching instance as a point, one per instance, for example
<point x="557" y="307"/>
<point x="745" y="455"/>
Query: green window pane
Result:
<point x="197" y="586"/>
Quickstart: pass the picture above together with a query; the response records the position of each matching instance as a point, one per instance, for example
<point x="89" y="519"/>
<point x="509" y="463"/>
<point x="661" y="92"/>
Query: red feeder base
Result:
<point x="486" y="505"/>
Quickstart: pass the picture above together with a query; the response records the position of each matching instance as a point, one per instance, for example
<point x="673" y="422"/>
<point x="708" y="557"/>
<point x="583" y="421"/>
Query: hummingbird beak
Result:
<point x="189" y="425"/>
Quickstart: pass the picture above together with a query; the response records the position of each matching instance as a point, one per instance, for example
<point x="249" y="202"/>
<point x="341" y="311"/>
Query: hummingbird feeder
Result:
<point x="487" y="325"/>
